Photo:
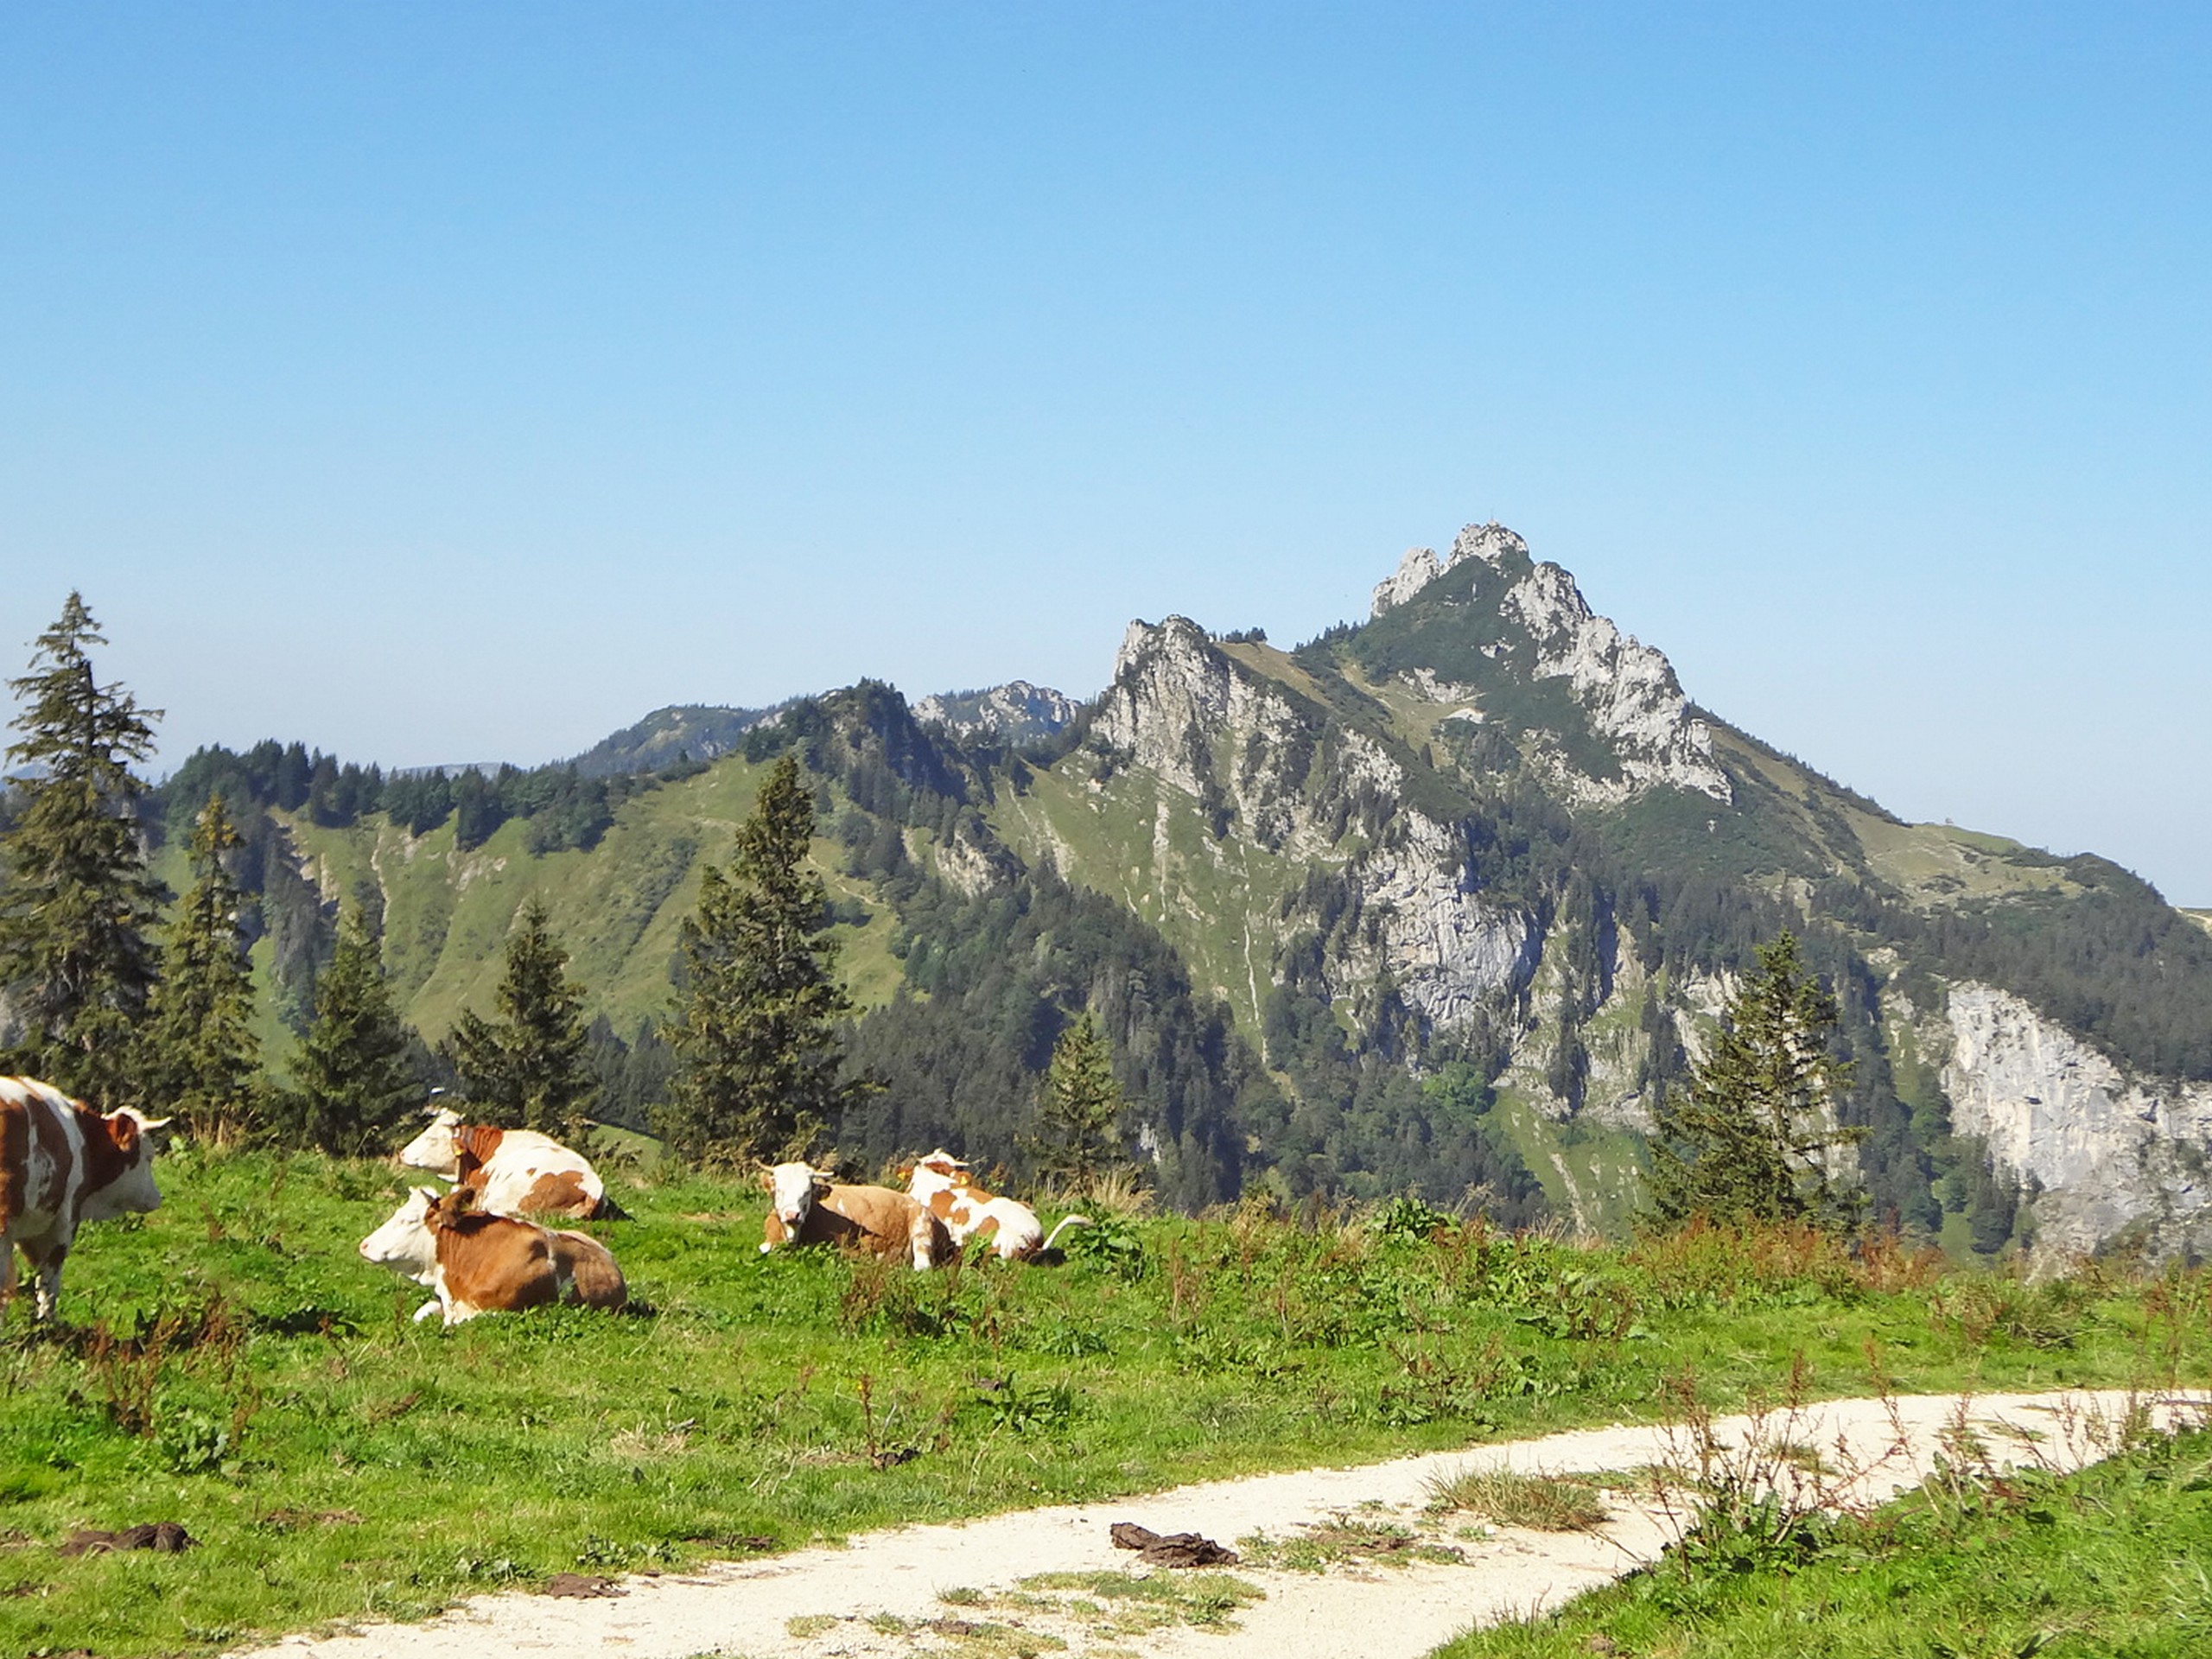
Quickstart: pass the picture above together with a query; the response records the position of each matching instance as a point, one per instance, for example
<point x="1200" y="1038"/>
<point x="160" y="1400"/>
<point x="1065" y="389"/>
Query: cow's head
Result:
<point x="938" y="1172"/>
<point x="792" y="1189"/>
<point x="437" y="1148"/>
<point x="404" y="1243"/>
<point x="123" y="1167"/>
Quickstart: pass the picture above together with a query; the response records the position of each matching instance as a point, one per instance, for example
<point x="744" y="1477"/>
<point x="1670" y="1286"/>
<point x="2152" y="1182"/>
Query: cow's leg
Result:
<point x="921" y="1236"/>
<point x="46" y="1259"/>
<point x="427" y="1309"/>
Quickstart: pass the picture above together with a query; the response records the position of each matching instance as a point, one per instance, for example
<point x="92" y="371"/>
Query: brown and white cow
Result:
<point x="806" y="1207"/>
<point x="512" y="1172"/>
<point x="481" y="1263"/>
<point x="62" y="1163"/>
<point x="1008" y="1226"/>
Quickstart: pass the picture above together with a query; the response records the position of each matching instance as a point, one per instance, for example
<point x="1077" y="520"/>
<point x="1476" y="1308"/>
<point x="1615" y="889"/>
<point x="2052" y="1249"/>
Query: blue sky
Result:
<point x="457" y="382"/>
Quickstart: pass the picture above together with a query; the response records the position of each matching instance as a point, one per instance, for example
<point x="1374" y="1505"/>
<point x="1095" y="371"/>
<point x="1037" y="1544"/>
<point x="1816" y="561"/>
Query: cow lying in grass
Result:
<point x="806" y="1207"/>
<point x="481" y="1263"/>
<point x="1008" y="1226"/>
<point x="512" y="1172"/>
<point x="62" y="1163"/>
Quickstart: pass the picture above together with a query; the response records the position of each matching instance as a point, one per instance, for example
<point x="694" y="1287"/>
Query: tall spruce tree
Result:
<point x="202" y="1059"/>
<point x="1077" y="1136"/>
<point x="1754" y="1137"/>
<point x="532" y="1065"/>
<point x="355" y="1085"/>
<point x="78" y="908"/>
<point x="754" y="1020"/>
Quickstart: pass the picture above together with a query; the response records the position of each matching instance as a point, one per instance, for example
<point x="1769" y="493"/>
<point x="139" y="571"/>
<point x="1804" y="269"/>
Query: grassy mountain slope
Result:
<point x="616" y="907"/>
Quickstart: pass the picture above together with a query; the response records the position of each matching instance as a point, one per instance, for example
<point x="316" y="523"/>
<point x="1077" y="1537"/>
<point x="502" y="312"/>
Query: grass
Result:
<point x="1541" y="1503"/>
<point x="1341" y="1540"/>
<point x="229" y="1363"/>
<point x="2112" y="1561"/>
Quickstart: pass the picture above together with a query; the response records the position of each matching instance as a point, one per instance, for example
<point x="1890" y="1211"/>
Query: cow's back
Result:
<point x="875" y="1218"/>
<point x="41" y="1158"/>
<point x="522" y="1172"/>
<point x="492" y="1264"/>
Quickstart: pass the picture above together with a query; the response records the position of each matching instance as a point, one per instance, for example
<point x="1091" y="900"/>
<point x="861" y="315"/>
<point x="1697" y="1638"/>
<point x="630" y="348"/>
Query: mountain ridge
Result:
<point x="1467" y="884"/>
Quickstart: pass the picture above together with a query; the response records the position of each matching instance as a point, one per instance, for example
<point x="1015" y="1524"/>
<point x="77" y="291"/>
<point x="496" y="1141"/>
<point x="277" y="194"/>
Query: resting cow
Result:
<point x="808" y="1208"/>
<point x="512" y="1172"/>
<point x="481" y="1263"/>
<point x="1007" y="1225"/>
<point x="61" y="1164"/>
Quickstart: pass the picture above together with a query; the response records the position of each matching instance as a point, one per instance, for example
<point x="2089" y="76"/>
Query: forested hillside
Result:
<point x="1443" y="903"/>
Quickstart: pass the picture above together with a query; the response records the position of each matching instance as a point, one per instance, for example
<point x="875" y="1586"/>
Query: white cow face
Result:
<point x="792" y="1190"/>
<point x="405" y="1243"/>
<point x="436" y="1149"/>
<point x="133" y="1190"/>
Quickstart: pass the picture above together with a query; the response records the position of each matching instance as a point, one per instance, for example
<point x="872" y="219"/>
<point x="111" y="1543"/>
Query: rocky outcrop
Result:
<point x="1016" y="712"/>
<point x="2115" y="1157"/>
<point x="1492" y="541"/>
<point x="1231" y="740"/>
<point x="1626" y="690"/>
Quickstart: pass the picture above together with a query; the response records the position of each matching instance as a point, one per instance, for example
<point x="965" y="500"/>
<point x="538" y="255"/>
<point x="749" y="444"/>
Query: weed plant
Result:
<point x="229" y="1362"/>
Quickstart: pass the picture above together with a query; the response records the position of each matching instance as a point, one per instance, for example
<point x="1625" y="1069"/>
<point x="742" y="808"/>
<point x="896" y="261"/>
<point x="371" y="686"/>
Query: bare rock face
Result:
<point x="1016" y="712"/>
<point x="1187" y="712"/>
<point x="2115" y="1157"/>
<point x="1626" y="690"/>
<point x="1492" y="541"/>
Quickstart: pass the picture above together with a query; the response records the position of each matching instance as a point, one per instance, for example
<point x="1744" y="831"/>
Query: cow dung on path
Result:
<point x="1170" y="1549"/>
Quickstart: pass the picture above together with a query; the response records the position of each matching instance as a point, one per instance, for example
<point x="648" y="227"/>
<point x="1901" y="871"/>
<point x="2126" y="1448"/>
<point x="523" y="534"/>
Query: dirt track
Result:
<point x="880" y="1597"/>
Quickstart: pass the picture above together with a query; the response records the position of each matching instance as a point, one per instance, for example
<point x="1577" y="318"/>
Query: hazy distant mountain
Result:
<point x="701" y="731"/>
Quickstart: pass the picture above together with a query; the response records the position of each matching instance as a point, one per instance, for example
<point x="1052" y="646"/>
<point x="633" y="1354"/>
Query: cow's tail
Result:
<point x="1065" y="1222"/>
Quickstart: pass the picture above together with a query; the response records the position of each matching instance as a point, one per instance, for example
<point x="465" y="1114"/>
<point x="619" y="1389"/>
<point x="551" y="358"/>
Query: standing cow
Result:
<point x="62" y="1163"/>
<point x="480" y="1264"/>
<point x="512" y="1172"/>
<point x="806" y="1207"/>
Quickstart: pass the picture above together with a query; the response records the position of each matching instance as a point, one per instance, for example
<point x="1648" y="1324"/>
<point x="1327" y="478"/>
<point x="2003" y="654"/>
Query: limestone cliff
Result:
<point x="2114" y="1157"/>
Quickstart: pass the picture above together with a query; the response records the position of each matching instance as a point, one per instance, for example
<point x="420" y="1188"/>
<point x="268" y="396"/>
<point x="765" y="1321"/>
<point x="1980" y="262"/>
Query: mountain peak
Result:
<point x="1492" y="543"/>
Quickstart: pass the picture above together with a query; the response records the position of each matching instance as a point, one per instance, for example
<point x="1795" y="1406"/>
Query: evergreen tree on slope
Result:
<point x="355" y="1086"/>
<point x="754" y="1020"/>
<point x="532" y="1067"/>
<point x="203" y="1061"/>
<point x="1078" y="1132"/>
<point x="77" y="906"/>
<point x="1754" y="1137"/>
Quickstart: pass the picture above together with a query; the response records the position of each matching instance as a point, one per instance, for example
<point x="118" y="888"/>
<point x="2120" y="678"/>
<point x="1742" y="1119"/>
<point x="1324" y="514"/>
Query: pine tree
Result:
<point x="78" y="907"/>
<point x="532" y="1065"/>
<point x="202" y="1056"/>
<point x="1753" y="1137"/>
<point x="754" y="1020"/>
<point x="1077" y="1132"/>
<point x="355" y="1086"/>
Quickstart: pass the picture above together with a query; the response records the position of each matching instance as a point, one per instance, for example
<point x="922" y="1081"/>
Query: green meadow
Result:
<point x="231" y="1364"/>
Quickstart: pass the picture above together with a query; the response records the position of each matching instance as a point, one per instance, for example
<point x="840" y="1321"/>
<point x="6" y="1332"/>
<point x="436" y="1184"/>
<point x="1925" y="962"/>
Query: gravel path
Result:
<point x="881" y="1596"/>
